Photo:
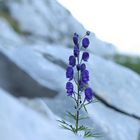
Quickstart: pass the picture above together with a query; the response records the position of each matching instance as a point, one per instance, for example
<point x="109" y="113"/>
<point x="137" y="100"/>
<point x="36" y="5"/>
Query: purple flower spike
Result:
<point x="88" y="94"/>
<point x="85" y="42"/>
<point x="75" y="38"/>
<point x="69" y="73"/>
<point x="69" y="88"/>
<point x="85" y="76"/>
<point x="85" y="56"/>
<point x="72" y="60"/>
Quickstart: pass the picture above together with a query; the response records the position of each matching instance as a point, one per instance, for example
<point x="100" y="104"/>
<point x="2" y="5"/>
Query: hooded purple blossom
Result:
<point x="88" y="94"/>
<point x="72" y="60"/>
<point x="75" y="38"/>
<point x="85" y="56"/>
<point x="85" y="42"/>
<point x="83" y="67"/>
<point x="69" y="88"/>
<point x="69" y="73"/>
<point x="78" y="66"/>
<point x="85" y="76"/>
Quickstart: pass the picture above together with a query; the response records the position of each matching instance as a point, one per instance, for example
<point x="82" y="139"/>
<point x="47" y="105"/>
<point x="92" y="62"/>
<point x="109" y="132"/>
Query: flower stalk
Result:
<point x="77" y="73"/>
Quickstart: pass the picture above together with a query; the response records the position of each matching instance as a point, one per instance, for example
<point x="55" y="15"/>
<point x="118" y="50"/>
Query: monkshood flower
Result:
<point x="72" y="60"/>
<point x="85" y="76"/>
<point x="69" y="73"/>
<point x="77" y="72"/>
<point x="85" y="56"/>
<point x="69" y="87"/>
<point x="75" y="38"/>
<point x="76" y="51"/>
<point x="88" y="94"/>
<point x="85" y="42"/>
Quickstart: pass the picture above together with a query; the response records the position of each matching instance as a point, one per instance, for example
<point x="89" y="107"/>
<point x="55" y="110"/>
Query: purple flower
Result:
<point x="69" y="73"/>
<point x="75" y="38"/>
<point x="85" y="42"/>
<point x="85" y="56"/>
<point x="72" y="60"/>
<point x="78" y="67"/>
<point x="85" y="76"/>
<point x="76" y="51"/>
<point x="69" y="87"/>
<point x="88" y="94"/>
<point x="83" y="67"/>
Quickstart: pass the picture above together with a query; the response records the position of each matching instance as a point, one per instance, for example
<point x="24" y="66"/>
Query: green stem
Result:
<point x="78" y="100"/>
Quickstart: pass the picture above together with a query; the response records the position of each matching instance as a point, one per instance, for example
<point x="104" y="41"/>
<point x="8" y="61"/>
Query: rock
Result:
<point x="46" y="61"/>
<point x="34" y="65"/>
<point x="110" y="81"/>
<point x="44" y="17"/>
<point x="18" y="82"/>
<point x="18" y="122"/>
<point x="39" y="105"/>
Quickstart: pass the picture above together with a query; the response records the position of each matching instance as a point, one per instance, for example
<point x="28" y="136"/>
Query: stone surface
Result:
<point x="33" y="65"/>
<point x="47" y="21"/>
<point x="18" y="122"/>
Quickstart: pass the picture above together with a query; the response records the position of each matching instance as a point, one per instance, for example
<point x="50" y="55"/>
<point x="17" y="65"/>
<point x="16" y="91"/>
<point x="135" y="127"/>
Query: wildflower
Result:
<point x="69" y="73"/>
<point x="69" y="87"/>
<point x="72" y="60"/>
<point x="85" y="76"/>
<point x="83" y="67"/>
<point x="85" y="42"/>
<point x="88" y="94"/>
<point x="75" y="38"/>
<point x="76" y="51"/>
<point x="85" y="56"/>
<point x="78" y="67"/>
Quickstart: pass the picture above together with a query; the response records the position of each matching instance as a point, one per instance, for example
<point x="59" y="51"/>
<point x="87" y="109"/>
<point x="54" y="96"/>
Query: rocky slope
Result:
<point x="31" y="65"/>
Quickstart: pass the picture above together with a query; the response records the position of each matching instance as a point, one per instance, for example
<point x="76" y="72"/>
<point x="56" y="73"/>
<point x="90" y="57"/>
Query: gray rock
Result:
<point x="18" y="82"/>
<point x="47" y="20"/>
<point x="50" y="72"/>
<point x="18" y="122"/>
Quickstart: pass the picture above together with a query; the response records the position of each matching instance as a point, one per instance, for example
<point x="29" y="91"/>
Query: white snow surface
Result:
<point x="17" y="122"/>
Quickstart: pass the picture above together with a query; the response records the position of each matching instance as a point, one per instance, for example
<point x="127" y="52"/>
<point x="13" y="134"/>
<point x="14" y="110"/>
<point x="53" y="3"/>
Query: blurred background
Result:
<point x="35" y="43"/>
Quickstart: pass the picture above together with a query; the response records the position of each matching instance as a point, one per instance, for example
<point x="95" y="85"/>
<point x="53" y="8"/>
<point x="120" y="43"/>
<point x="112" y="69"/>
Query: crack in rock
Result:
<point x="19" y="83"/>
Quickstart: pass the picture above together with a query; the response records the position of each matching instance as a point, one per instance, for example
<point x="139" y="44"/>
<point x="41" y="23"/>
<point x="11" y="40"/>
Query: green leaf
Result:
<point x="65" y="127"/>
<point x="85" y="108"/>
<point x="83" y="128"/>
<point x="73" y="116"/>
<point x="88" y="134"/>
